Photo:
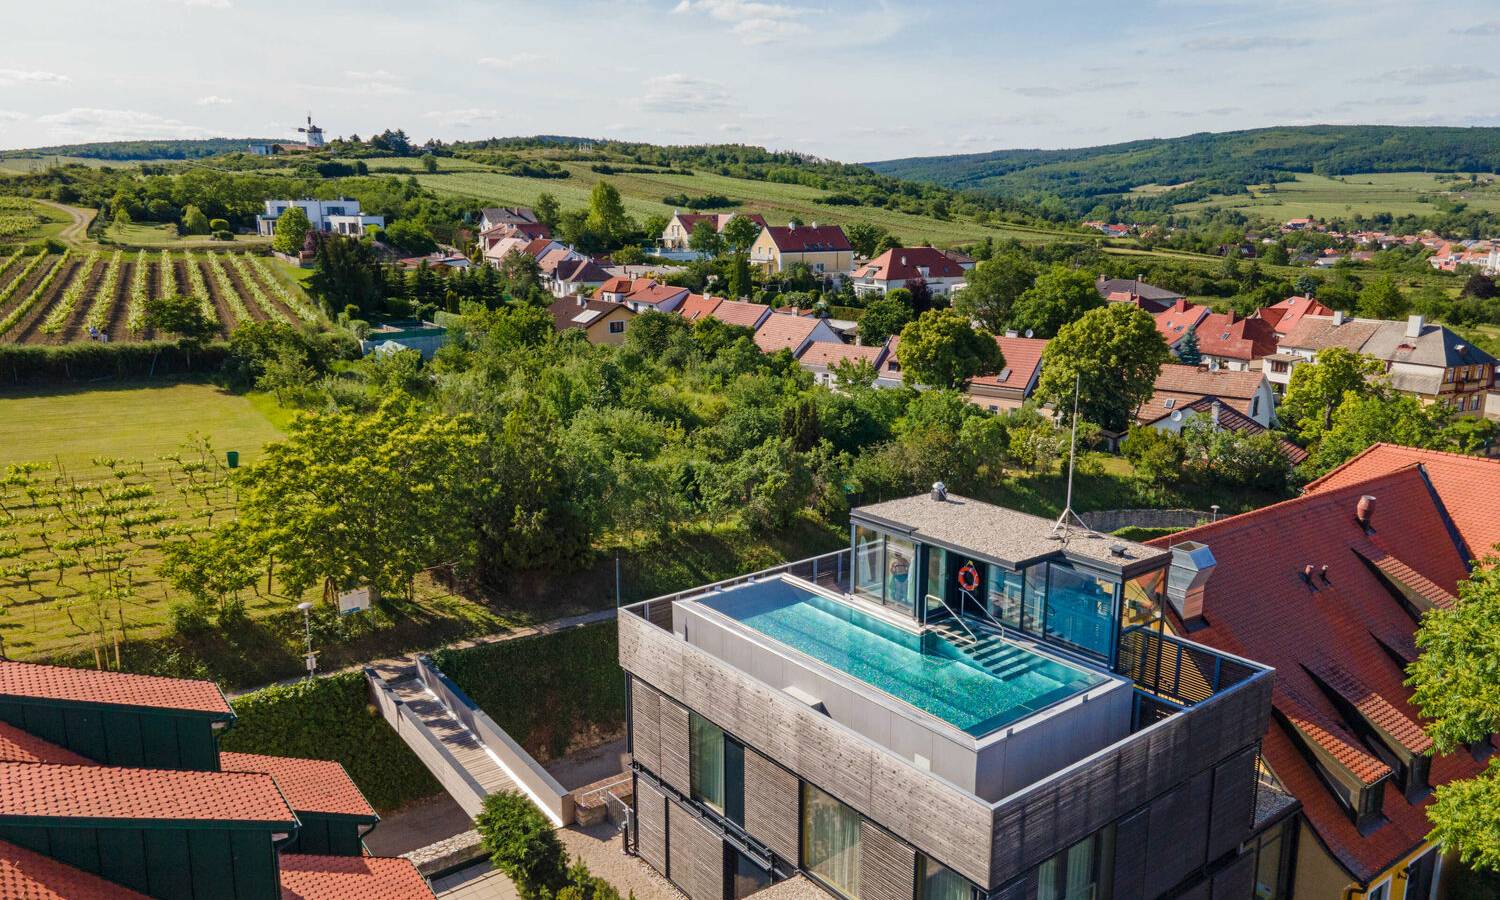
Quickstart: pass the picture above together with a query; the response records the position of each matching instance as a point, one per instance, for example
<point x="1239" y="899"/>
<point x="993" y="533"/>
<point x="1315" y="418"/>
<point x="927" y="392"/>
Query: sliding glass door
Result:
<point x="830" y="841"/>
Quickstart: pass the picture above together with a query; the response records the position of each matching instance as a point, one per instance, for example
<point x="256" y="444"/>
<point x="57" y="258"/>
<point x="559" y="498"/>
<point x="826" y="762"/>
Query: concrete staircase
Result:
<point x="987" y="647"/>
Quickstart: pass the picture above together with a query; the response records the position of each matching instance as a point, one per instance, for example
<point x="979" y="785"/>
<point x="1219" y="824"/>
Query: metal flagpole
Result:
<point x="1060" y="529"/>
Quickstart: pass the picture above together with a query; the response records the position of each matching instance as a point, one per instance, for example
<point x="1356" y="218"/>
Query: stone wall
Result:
<point x="1107" y="520"/>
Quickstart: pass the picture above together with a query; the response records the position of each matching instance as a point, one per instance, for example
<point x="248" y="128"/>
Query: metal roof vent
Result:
<point x="1192" y="564"/>
<point x="1117" y="549"/>
<point x="939" y="491"/>
<point x="1364" y="509"/>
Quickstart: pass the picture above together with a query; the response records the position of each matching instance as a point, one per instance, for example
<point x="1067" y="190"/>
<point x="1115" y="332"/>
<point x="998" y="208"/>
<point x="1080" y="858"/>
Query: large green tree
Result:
<point x="992" y="288"/>
<point x="1456" y="686"/>
<point x="1317" y="388"/>
<point x="941" y="349"/>
<point x="1381" y="299"/>
<point x="1362" y="420"/>
<point x="882" y="318"/>
<point x="1113" y="354"/>
<point x="347" y="275"/>
<point x="606" y="215"/>
<point x="292" y="227"/>
<point x="1059" y="295"/>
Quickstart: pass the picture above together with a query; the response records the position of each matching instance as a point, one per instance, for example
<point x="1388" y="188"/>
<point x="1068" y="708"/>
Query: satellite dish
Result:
<point x="1177" y="415"/>
<point x="1029" y="332"/>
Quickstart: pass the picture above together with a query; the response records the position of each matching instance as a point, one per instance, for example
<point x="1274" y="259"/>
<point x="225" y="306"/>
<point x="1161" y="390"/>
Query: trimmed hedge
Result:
<point x="89" y="360"/>
<point x="550" y="692"/>
<point x="331" y="718"/>
<point x="1142" y="533"/>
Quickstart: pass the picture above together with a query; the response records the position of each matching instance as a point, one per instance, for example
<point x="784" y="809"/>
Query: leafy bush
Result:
<point x="1142" y="533"/>
<point x="86" y="361"/>
<point x="707" y="201"/>
<point x="547" y="691"/>
<point x="523" y="845"/>
<point x="331" y="718"/>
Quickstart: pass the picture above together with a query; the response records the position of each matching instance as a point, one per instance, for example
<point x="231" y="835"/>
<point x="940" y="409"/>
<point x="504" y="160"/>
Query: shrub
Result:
<point x="523" y="845"/>
<point x="218" y="225"/>
<point x="223" y="235"/>
<point x="88" y="360"/>
<point x="330" y="718"/>
<point x="548" y="690"/>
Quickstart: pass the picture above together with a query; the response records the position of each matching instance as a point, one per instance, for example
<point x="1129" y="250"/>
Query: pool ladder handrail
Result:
<point x="956" y="617"/>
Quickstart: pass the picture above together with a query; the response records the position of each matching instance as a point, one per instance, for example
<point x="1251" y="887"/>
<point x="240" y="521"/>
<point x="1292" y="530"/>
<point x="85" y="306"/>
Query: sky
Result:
<point x="854" y="80"/>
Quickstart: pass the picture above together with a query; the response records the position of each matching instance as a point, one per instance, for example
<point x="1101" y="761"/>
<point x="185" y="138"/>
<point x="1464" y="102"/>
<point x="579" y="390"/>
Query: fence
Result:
<point x="831" y="570"/>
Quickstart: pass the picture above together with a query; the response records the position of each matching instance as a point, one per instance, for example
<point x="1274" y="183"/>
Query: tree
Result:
<point x="740" y="233"/>
<point x="1455" y="682"/>
<point x="941" y="349"/>
<point x="429" y="163"/>
<point x="705" y="240"/>
<point x="1155" y="454"/>
<point x="547" y="210"/>
<point x="1361" y="421"/>
<point x="195" y="222"/>
<point x="992" y="288"/>
<point x="865" y="238"/>
<point x="1381" y="299"/>
<point x="606" y="216"/>
<point x="1059" y="296"/>
<point x="292" y="227"/>
<point x="182" y="316"/>
<point x="347" y="275"/>
<point x="521" y="276"/>
<point x="1114" y="354"/>
<point x="1317" y="388"/>
<point x="1275" y="255"/>
<point x="1187" y="350"/>
<point x="1481" y="286"/>
<point x="523" y="844"/>
<point x="881" y="319"/>
<point x="411" y="237"/>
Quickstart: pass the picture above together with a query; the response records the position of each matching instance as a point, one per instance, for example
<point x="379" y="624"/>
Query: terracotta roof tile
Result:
<point x="21" y="746"/>
<point x="1174" y="322"/>
<point x="697" y="306"/>
<point x="309" y="785"/>
<point x="1229" y="336"/>
<point x="1405" y="575"/>
<point x="18" y="679"/>
<point x="808" y="238"/>
<point x="1375" y="708"/>
<point x="308" y="877"/>
<point x="27" y="875"/>
<point x="829" y="353"/>
<point x="1328" y="734"/>
<point x="1203" y="381"/>
<point x="1285" y="315"/>
<point x="1023" y="357"/>
<point x="902" y="264"/>
<point x="106" y="792"/>
<point x="783" y="332"/>
<point x="741" y="313"/>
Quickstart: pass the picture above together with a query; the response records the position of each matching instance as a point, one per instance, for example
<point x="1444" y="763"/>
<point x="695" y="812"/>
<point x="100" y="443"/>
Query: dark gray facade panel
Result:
<point x="645" y="728"/>
<point x="676" y="765"/>
<point x="1235" y="881"/>
<point x="887" y="865"/>
<point x="651" y="824"/>
<point x="696" y="854"/>
<point x="1130" y="860"/>
<point x="1233" y="803"/>
<point x="772" y="807"/>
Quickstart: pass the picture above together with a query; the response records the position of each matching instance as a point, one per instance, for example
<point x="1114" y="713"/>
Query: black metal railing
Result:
<point x="1178" y="670"/>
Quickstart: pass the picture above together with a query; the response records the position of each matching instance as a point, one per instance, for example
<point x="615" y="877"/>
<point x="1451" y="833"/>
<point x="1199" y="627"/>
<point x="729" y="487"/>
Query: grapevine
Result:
<point x="199" y="288"/>
<point x="140" y="293"/>
<point x="226" y="289"/>
<point x="25" y="306"/>
<point x="257" y="294"/>
<point x="304" y="311"/>
<point x="57" y="317"/>
<point x="104" y="297"/>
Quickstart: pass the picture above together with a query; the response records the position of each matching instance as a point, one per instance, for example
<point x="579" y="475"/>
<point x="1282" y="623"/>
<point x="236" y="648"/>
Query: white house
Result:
<point x="898" y="267"/>
<point x="341" y="216"/>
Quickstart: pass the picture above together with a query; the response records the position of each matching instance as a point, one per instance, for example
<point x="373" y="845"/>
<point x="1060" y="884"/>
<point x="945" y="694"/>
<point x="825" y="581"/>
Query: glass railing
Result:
<point x="831" y="571"/>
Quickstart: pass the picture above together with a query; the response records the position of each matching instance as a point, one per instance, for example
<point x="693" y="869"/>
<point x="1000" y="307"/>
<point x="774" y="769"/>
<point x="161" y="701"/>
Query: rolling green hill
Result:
<point x="1185" y="169"/>
<point x="122" y="151"/>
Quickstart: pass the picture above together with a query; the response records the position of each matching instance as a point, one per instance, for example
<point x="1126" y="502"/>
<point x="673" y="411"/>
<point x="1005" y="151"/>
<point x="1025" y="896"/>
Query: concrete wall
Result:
<point x="1107" y="520"/>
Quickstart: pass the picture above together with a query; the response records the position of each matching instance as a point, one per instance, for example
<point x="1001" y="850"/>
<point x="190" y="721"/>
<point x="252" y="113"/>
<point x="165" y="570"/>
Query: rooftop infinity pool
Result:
<point x="993" y="684"/>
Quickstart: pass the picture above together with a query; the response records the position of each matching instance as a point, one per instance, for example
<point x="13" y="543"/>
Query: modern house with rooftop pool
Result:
<point x="968" y="702"/>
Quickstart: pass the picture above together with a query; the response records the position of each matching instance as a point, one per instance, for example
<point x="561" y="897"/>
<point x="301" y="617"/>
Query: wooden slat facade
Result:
<point x="696" y="854"/>
<point x="645" y="726"/>
<point x="676" y="761"/>
<point x="887" y="865"/>
<point x="1233" y="803"/>
<point x="651" y="824"/>
<point x="773" y="813"/>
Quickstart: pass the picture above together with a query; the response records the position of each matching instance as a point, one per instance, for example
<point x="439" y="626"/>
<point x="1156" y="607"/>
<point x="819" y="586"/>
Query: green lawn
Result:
<point x="1397" y="193"/>
<point x="157" y="237"/>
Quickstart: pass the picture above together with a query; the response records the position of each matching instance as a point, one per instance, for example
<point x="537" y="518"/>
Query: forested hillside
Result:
<point x="1200" y="164"/>
<point x="125" y="151"/>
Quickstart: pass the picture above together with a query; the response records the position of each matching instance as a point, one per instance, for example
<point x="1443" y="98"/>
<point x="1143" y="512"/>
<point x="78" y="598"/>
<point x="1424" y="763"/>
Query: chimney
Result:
<point x="1012" y="333"/>
<point x="1414" y="326"/>
<point x="1214" y="412"/>
<point x="1338" y="317"/>
<point x="1363" y="510"/>
<point x="1192" y="564"/>
<point x="939" y="491"/>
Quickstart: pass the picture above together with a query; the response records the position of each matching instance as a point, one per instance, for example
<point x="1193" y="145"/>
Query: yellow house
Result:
<point x="824" y="248"/>
<point x="602" y="321"/>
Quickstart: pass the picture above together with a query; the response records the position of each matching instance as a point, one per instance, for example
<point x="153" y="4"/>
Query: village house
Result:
<point x="780" y="331"/>
<point x="822" y="248"/>
<point x="1014" y="383"/>
<point x="602" y="321"/>
<point x="821" y="357"/>
<point x="1231" y="341"/>
<point x="679" y="230"/>
<point x="1177" y="386"/>
<point x="741" y="313"/>
<point x="1329" y="589"/>
<point x="1176" y="321"/>
<point x="1285" y="315"/>
<point x="491" y="216"/>
<point x="575" y="275"/>
<point x="642" y="294"/>
<point x="1149" y="297"/>
<point x="903" y="266"/>
<point x="341" y="216"/>
<point x="698" y="306"/>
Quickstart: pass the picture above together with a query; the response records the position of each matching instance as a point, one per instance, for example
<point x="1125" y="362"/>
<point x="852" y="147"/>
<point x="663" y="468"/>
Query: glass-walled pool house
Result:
<point x="961" y="705"/>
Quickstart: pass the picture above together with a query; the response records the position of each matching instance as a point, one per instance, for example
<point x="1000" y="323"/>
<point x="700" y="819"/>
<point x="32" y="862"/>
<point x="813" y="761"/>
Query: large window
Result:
<point x="937" y="581"/>
<point x="1143" y="595"/>
<point x="1080" y="609"/>
<point x="1006" y="595"/>
<point x="1075" y="873"/>
<point x="869" y="563"/>
<point x="1421" y="876"/>
<point x="716" y="765"/>
<point x="901" y="574"/>
<point x="941" y="883"/>
<point x="1273" y="861"/>
<point x="885" y="569"/>
<point x="830" y="841"/>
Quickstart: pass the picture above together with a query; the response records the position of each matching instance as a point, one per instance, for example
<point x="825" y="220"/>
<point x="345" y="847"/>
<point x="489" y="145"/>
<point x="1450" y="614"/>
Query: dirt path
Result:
<point x="75" y="233"/>
<point x="28" y="330"/>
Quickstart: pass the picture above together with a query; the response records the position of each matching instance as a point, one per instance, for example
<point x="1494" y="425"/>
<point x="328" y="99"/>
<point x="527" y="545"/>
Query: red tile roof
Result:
<point x="783" y="332"/>
<point x="106" y="792"/>
<point x="1023" y="358"/>
<point x="739" y="312"/>
<point x="1177" y="320"/>
<point x="1467" y="484"/>
<point x="717" y="221"/>
<point x="1231" y="337"/>
<point x="21" y="746"/>
<point x="902" y="264"/>
<point x="1257" y="604"/>
<point x="1230" y="418"/>
<point x="309" y="785"/>
<point x="1203" y="381"/>
<point x="27" y="875"/>
<point x="656" y="294"/>
<point x="830" y="353"/>
<point x="18" y="679"/>
<point x="305" y="876"/>
<point x="808" y="238"/>
<point x="1285" y="315"/>
<point x="697" y="306"/>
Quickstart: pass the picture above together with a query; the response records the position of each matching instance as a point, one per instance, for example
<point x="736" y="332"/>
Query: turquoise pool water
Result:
<point x="994" y="684"/>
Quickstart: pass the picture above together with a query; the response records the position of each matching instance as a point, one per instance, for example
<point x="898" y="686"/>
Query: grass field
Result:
<point x="1397" y="193"/>
<point x="23" y="220"/>
<point x="643" y="195"/>
<point x="137" y="234"/>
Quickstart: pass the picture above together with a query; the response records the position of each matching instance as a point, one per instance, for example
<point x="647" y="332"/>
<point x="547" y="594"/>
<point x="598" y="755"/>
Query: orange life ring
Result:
<point x="968" y="577"/>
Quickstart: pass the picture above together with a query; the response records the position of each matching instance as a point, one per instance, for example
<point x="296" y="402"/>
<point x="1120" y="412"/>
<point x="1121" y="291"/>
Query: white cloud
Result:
<point x="1239" y="43"/>
<point x="679" y="93"/>
<point x="514" y="61"/>
<point x="10" y="115"/>
<point x="215" y="100"/>
<point x="459" y="118"/>
<point x="204" y="4"/>
<point x="9" y="77"/>
<point x="754" y="21"/>
<point x="92" y="124"/>
<point x="1053" y="91"/>
<point x="1480" y="29"/>
<point x="1429" y="75"/>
